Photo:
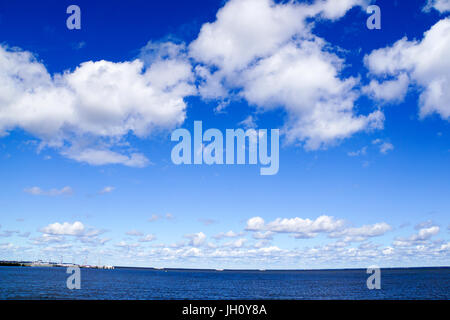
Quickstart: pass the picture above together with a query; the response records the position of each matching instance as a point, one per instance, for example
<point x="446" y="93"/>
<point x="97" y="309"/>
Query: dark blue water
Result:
<point x="50" y="283"/>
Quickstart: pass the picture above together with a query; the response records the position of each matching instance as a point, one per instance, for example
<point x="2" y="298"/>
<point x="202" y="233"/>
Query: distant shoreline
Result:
<point x="65" y="265"/>
<point x="48" y="265"/>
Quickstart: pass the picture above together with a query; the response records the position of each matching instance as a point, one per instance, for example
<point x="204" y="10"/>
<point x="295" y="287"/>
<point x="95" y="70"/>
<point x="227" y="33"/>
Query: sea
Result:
<point x="50" y="283"/>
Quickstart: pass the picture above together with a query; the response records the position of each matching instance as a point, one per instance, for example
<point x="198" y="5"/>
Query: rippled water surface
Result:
<point x="50" y="283"/>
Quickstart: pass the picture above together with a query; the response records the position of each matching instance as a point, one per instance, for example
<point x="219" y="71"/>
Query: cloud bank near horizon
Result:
<point x="347" y="243"/>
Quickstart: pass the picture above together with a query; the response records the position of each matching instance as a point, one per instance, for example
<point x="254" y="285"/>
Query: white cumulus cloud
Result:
<point x="197" y="239"/>
<point x="266" y="50"/>
<point x="71" y="229"/>
<point x="86" y="111"/>
<point x="440" y="5"/>
<point x="423" y="235"/>
<point x="301" y="228"/>
<point x="362" y="233"/>
<point x="425" y="63"/>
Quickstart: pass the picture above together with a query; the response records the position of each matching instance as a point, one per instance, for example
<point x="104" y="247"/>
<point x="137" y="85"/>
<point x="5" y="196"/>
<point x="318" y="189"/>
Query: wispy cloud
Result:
<point x="156" y="217"/>
<point x="107" y="189"/>
<point x="37" y="191"/>
<point x="383" y="146"/>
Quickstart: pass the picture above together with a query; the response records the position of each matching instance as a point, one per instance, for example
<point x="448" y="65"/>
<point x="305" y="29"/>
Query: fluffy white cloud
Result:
<point x="440" y="5"/>
<point x="391" y="90"/>
<point x="305" y="228"/>
<point x="55" y="232"/>
<point x="304" y="79"/>
<point x="52" y="192"/>
<point x="248" y="29"/>
<point x="417" y="249"/>
<point x="301" y="228"/>
<point x="99" y="157"/>
<point x="425" y="62"/>
<point x="340" y="254"/>
<point x="265" y="50"/>
<point x="99" y="101"/>
<point x="244" y="30"/>
<point x="197" y="239"/>
<point x="269" y="54"/>
<point x="362" y="233"/>
<point x="255" y="224"/>
<point x="66" y="228"/>
<point x="423" y="235"/>
<point x="308" y="228"/>
<point x="335" y="9"/>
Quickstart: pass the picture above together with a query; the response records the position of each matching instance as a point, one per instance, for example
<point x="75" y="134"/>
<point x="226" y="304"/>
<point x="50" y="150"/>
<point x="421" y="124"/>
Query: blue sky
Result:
<point x="86" y="117"/>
